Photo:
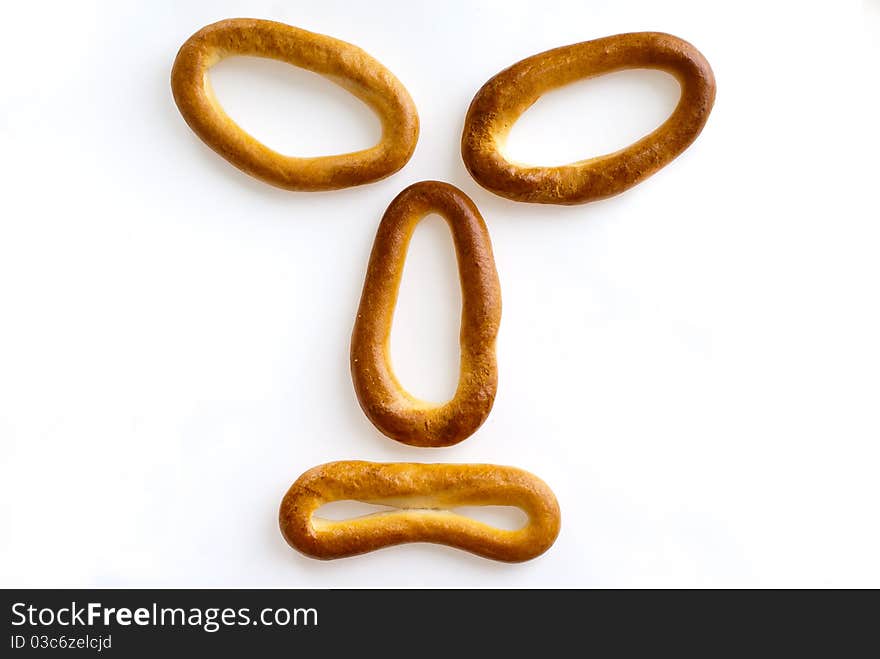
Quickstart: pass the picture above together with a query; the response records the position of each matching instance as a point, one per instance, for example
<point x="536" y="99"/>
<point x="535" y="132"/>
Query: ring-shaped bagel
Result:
<point x="345" y="64"/>
<point x="501" y="101"/>
<point x="392" y="409"/>
<point x="425" y="496"/>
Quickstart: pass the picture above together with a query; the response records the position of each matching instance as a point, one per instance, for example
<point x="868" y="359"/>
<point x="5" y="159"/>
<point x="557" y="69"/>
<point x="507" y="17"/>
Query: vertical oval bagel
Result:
<point x="392" y="409"/>
<point x="501" y="101"/>
<point x="424" y="496"/>
<point x="340" y="62"/>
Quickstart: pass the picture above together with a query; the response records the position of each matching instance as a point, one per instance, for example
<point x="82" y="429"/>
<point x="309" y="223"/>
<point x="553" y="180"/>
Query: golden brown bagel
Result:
<point x="425" y="495"/>
<point x="394" y="411"/>
<point x="345" y="64"/>
<point x="501" y="101"/>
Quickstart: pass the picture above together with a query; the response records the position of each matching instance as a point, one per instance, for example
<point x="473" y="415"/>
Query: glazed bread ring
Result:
<point x="425" y="495"/>
<point x="501" y="101"/>
<point x="345" y="64"/>
<point x="393" y="410"/>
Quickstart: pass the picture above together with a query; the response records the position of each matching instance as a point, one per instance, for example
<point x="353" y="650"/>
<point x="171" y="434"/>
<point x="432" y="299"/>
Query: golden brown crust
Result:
<point x="501" y="101"/>
<point x="395" y="412"/>
<point x="341" y="62"/>
<point x="425" y="495"/>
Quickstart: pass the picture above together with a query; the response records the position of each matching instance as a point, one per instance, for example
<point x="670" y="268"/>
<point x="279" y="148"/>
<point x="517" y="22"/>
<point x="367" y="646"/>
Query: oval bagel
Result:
<point x="345" y="64"/>
<point x="500" y="102"/>
<point x="425" y="495"/>
<point x="393" y="410"/>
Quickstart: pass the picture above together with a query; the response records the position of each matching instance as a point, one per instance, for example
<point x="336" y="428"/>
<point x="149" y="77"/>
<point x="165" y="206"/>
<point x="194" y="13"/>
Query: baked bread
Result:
<point x="392" y="409"/>
<point x="500" y="102"/>
<point x="424" y="495"/>
<point x="345" y="64"/>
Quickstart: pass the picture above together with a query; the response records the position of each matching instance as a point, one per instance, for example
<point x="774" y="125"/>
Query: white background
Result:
<point x="692" y="366"/>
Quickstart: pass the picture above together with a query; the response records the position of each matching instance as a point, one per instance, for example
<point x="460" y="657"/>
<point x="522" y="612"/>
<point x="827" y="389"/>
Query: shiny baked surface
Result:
<point x="501" y="101"/>
<point x="424" y="495"/>
<point x="341" y="62"/>
<point x="394" y="411"/>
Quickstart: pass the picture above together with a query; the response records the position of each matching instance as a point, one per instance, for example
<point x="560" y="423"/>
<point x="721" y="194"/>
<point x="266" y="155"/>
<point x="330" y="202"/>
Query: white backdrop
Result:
<point x="692" y="366"/>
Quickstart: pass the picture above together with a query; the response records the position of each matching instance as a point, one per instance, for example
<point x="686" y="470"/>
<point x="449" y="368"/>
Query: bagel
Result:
<point x="345" y="64"/>
<point x="393" y="410"/>
<point x="501" y="101"/>
<point x="424" y="495"/>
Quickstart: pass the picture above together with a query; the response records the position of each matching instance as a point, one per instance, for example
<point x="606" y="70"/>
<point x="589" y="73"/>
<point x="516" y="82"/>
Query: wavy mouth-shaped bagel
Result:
<point x="386" y="403"/>
<point x="500" y="102"/>
<point x="424" y="495"/>
<point x="341" y="62"/>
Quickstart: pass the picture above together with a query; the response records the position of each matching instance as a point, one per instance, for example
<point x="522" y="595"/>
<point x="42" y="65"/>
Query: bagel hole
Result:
<point x="506" y="518"/>
<point x="338" y="511"/>
<point x="291" y="110"/>
<point x="424" y="335"/>
<point x="592" y="117"/>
